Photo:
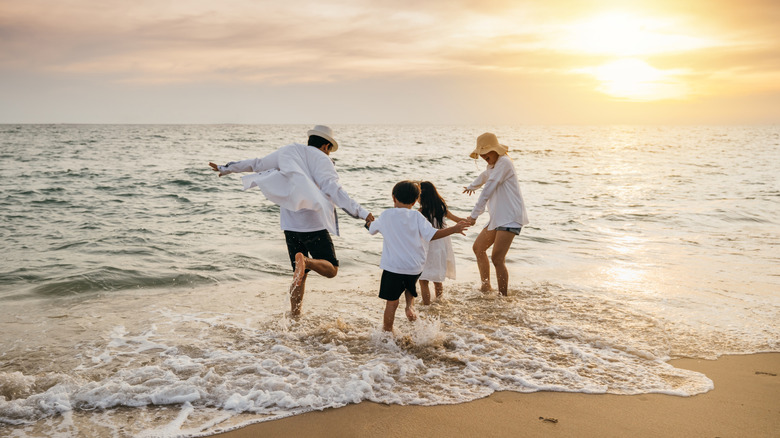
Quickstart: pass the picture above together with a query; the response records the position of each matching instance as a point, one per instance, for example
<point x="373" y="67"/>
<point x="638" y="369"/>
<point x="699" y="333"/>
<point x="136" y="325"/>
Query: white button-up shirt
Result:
<point x="303" y="181"/>
<point x="501" y="194"/>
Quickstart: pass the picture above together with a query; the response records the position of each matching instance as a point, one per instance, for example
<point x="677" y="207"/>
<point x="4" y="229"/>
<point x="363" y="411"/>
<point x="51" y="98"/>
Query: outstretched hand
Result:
<point x="468" y="191"/>
<point x="462" y="226"/>
<point x="215" y="168"/>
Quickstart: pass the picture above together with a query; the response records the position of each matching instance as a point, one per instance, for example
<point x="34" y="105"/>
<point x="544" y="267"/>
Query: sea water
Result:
<point x="142" y="295"/>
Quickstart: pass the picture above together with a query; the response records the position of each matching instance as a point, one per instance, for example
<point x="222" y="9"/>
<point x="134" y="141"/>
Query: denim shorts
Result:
<point x="515" y="231"/>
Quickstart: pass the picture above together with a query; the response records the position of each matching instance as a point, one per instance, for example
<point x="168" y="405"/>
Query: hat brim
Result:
<point x="326" y="137"/>
<point x="500" y="150"/>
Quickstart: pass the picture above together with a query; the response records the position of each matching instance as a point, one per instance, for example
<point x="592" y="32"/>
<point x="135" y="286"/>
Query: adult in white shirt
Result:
<point x="503" y="199"/>
<point x="303" y="181"/>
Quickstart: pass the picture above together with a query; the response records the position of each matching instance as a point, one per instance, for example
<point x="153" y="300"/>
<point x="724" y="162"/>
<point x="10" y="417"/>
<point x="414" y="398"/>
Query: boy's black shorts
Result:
<point x="393" y="285"/>
<point x="313" y="244"/>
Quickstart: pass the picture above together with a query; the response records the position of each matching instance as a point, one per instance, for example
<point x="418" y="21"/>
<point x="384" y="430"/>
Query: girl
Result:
<point x="501" y="194"/>
<point x="440" y="261"/>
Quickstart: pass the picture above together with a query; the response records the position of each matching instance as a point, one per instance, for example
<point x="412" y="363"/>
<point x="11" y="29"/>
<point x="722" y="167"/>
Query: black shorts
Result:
<point x="313" y="244"/>
<point x="393" y="285"/>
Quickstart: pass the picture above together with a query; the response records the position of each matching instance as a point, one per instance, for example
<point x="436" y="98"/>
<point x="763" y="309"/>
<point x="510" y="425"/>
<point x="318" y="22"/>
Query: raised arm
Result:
<point x="478" y="182"/>
<point x="327" y="180"/>
<point x="457" y="228"/>
<point x="270" y="161"/>
<point x="453" y="218"/>
<point x="501" y="171"/>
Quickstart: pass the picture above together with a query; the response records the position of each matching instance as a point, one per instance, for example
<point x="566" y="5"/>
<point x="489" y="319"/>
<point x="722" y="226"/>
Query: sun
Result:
<point x="634" y="79"/>
<point x="628" y="41"/>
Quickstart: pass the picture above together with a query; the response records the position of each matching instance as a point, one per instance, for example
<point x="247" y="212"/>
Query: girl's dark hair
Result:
<point x="406" y="192"/>
<point x="432" y="206"/>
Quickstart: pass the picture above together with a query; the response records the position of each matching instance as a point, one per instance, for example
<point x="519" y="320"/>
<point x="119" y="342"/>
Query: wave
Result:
<point x="110" y="278"/>
<point x="460" y="349"/>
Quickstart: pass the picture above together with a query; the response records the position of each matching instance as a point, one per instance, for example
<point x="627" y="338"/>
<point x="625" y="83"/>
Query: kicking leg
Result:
<point x="297" y="288"/>
<point x="320" y="266"/>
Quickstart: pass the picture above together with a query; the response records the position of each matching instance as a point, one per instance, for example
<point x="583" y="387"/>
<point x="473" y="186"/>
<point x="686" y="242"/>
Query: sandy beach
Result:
<point x="745" y="402"/>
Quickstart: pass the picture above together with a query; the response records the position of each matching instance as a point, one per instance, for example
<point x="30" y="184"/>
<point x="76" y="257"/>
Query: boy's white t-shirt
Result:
<point x="406" y="234"/>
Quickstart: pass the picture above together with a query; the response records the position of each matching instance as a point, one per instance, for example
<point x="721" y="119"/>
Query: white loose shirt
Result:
<point x="303" y="181"/>
<point x="501" y="194"/>
<point x="406" y="234"/>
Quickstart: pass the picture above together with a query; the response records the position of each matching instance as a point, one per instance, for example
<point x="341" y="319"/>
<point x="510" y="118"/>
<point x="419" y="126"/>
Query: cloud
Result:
<point x="491" y="50"/>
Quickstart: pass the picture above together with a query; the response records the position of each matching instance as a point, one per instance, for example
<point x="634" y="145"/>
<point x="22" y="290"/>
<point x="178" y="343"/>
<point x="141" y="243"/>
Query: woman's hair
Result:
<point x="406" y="192"/>
<point x="432" y="206"/>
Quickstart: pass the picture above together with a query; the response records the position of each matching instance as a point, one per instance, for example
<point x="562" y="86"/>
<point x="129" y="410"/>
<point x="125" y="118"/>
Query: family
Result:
<point x="416" y="246"/>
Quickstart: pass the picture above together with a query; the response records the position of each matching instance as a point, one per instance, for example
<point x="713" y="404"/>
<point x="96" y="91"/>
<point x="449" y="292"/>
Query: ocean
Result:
<point x="141" y="295"/>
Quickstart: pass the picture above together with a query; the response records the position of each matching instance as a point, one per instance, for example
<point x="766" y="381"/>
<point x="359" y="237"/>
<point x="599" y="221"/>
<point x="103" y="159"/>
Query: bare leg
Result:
<point x="297" y="288"/>
<point x="480" y="247"/>
<point x="425" y="292"/>
<point x="502" y="243"/>
<point x="390" y="308"/>
<point x="296" y="296"/>
<point x="322" y="267"/>
<point x="439" y="289"/>
<point x="410" y="314"/>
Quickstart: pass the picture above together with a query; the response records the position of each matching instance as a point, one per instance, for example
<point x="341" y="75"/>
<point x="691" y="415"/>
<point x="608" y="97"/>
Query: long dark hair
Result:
<point x="432" y="206"/>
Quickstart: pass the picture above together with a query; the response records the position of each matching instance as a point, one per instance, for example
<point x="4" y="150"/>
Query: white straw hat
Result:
<point x="488" y="142"/>
<point x="326" y="133"/>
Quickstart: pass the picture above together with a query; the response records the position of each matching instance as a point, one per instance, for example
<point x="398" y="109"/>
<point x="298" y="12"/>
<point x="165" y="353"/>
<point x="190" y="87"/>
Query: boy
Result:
<point x="406" y="234"/>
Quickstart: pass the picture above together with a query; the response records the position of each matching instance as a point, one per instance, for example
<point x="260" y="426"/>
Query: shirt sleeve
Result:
<point x="270" y="161"/>
<point x="501" y="171"/>
<point x="426" y="229"/>
<point x="327" y="180"/>
<point x="478" y="182"/>
<point x="376" y="226"/>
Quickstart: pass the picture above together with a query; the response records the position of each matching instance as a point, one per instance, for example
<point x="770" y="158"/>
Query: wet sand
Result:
<point x="745" y="403"/>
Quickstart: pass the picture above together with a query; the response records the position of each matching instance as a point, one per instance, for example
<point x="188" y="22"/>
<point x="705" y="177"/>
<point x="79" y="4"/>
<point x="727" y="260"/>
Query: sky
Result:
<point x="390" y="61"/>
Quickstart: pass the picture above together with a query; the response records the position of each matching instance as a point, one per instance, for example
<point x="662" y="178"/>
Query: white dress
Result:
<point x="440" y="261"/>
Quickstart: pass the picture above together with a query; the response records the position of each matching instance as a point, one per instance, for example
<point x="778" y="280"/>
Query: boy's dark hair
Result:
<point x="317" y="141"/>
<point x="406" y="192"/>
<point x="432" y="206"/>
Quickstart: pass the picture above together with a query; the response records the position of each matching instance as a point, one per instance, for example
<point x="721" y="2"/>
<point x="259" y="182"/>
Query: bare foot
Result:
<point x="410" y="314"/>
<point x="486" y="287"/>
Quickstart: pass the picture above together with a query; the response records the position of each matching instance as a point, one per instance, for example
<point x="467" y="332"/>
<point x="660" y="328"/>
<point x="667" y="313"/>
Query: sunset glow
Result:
<point x="501" y="62"/>
<point x="634" y="79"/>
<point x="628" y="35"/>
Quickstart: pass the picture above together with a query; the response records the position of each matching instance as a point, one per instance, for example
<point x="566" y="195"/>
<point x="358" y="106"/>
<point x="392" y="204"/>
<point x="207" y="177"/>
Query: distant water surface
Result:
<point x="141" y="295"/>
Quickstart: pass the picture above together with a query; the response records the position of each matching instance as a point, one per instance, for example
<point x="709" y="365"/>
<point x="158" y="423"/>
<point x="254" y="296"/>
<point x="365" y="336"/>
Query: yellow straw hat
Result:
<point x="488" y="142"/>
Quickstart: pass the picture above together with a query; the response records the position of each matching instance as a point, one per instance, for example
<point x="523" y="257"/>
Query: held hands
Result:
<point x="369" y="219"/>
<point x="215" y="168"/>
<point x="470" y="220"/>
